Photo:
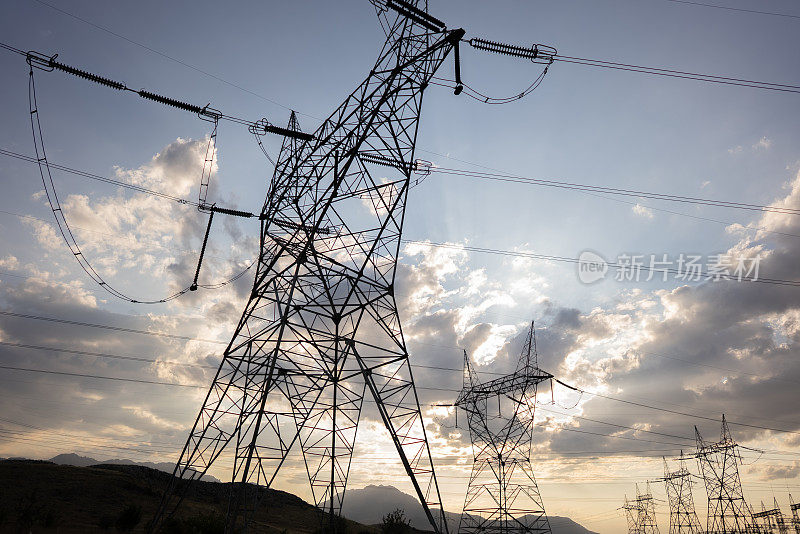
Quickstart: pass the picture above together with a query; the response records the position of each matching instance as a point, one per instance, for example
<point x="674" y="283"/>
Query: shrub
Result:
<point x="395" y="523"/>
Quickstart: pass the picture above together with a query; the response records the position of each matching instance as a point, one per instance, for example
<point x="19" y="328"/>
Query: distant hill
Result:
<point x="42" y="497"/>
<point x="368" y="506"/>
<point x="84" y="461"/>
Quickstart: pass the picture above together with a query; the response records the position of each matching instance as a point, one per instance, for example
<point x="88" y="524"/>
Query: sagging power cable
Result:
<point x="67" y="234"/>
<point x="537" y="53"/>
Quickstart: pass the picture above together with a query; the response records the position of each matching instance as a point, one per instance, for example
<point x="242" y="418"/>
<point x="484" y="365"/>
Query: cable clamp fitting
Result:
<point x="40" y="61"/>
<point x="210" y="114"/>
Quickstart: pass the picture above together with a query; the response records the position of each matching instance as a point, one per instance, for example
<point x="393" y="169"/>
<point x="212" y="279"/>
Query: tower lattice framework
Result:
<point x="646" y="512"/>
<point x="795" y="508"/>
<point x="631" y="510"/>
<point x="770" y="521"/>
<point x="682" y="515"/>
<point x="321" y="327"/>
<point x="502" y="496"/>
<point x="728" y="512"/>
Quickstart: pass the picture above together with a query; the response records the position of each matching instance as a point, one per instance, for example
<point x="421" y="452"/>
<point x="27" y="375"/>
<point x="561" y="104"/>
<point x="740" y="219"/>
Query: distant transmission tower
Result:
<point x="321" y="327"/>
<point x="795" y="508"/>
<point x="502" y="496"/>
<point x="682" y="515"/>
<point x="646" y="505"/>
<point x="769" y="521"/>
<point x="632" y="516"/>
<point x="728" y="512"/>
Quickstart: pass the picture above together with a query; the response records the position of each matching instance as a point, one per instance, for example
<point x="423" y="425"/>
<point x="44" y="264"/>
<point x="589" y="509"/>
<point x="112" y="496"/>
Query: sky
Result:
<point x="699" y="348"/>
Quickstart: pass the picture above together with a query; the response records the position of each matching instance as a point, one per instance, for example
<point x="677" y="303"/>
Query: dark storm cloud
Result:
<point x="719" y="347"/>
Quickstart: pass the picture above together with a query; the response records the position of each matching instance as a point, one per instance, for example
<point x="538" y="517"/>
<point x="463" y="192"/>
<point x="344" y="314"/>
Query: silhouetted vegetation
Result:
<point x="395" y="523"/>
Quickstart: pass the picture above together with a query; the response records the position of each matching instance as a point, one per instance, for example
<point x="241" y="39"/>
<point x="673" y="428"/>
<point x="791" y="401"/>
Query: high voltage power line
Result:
<point x="537" y="54"/>
<point x="430" y="367"/>
<point x="323" y="380"/>
<point x="110" y="327"/>
<point x="615" y="191"/>
<point x="731" y="8"/>
<point x="567" y="259"/>
<point x="502" y="177"/>
<point x="442" y="389"/>
<point x="97" y="177"/>
<point x="187" y="338"/>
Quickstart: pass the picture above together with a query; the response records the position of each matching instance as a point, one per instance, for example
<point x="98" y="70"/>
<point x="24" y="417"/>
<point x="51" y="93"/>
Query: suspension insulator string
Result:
<point x="537" y="53"/>
<point x="48" y="63"/>
<point x="193" y="287"/>
<point x="417" y="15"/>
<point x="208" y="167"/>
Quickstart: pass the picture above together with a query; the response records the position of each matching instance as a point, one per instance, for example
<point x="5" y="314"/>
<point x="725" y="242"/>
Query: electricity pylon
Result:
<point x="632" y="516"/>
<point x="641" y="513"/>
<point x="770" y="521"/>
<point x="646" y="505"/>
<point x="502" y="496"/>
<point x="795" y="508"/>
<point x="728" y="512"/>
<point x="321" y="327"/>
<point x="682" y="515"/>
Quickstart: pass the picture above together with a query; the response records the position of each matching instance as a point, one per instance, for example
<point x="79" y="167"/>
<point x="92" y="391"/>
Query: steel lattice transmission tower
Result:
<point x="502" y="496"/>
<point x="321" y="328"/>
<point x="728" y="512"/>
<point x="682" y="515"/>
<point x="771" y="520"/>
<point x="646" y="506"/>
<point x="632" y="516"/>
<point x="795" y="508"/>
<point x="640" y="513"/>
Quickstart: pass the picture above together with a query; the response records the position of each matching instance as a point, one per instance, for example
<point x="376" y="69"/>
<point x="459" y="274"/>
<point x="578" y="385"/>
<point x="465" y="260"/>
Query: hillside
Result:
<point x="84" y="461"/>
<point x="42" y="497"/>
<point x="368" y="505"/>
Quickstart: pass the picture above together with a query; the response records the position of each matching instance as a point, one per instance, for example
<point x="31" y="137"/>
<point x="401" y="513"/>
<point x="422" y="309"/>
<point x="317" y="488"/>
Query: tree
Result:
<point x="395" y="523"/>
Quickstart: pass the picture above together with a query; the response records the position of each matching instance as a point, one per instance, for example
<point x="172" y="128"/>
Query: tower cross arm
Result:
<point x="520" y="381"/>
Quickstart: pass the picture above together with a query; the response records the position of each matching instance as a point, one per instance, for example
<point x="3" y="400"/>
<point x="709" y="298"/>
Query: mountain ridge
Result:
<point x="369" y="504"/>
<point x="86" y="461"/>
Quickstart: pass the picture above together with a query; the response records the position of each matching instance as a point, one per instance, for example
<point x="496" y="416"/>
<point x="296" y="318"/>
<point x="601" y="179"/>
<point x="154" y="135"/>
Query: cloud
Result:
<point x="762" y="144"/>
<point x="642" y="211"/>
<point x="707" y="349"/>
<point x="726" y="347"/>
<point x="779" y="472"/>
<point x="148" y="416"/>
<point x="146" y="246"/>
